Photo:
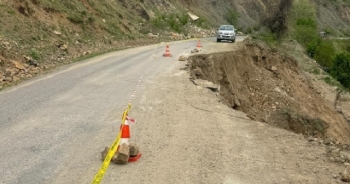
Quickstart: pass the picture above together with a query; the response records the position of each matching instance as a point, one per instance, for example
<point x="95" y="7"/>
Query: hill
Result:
<point x="37" y="35"/>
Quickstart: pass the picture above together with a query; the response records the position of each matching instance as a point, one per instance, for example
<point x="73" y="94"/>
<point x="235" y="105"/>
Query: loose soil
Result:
<point x="271" y="88"/>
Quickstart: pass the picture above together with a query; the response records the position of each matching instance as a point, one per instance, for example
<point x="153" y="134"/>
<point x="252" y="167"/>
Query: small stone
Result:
<point x="134" y="150"/>
<point x="10" y="72"/>
<point x="104" y="153"/>
<point x="345" y="155"/>
<point x="338" y="159"/>
<point x="327" y="141"/>
<point x="122" y="155"/>
<point x="312" y="139"/>
<point x="195" y="50"/>
<point x="56" y="32"/>
<point x="33" y="62"/>
<point x="345" y="176"/>
<point x="206" y="84"/>
<point x="182" y="58"/>
<point x="8" y="79"/>
<point x="18" y="65"/>
<point x="34" y="71"/>
<point x="64" y="47"/>
<point x="15" y="78"/>
<point x="273" y="68"/>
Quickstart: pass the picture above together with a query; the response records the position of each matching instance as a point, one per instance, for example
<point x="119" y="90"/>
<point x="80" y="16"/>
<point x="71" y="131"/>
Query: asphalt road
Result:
<point x="58" y="123"/>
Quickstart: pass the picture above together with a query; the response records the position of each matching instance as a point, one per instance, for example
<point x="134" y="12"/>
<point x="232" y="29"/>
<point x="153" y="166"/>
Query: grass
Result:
<point x="304" y="124"/>
<point x="332" y="82"/>
<point x="267" y="37"/>
<point x="315" y="70"/>
<point x="34" y="54"/>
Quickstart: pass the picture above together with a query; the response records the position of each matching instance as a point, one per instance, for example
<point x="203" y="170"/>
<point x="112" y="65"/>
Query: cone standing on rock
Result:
<point x="122" y="154"/>
<point x="126" y="152"/>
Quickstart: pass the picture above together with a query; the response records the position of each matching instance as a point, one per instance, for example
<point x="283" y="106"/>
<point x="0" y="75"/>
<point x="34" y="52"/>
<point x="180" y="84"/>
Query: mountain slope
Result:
<point x="49" y="33"/>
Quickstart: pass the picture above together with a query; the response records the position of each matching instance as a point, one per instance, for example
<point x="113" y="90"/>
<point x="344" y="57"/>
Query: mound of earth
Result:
<point x="270" y="87"/>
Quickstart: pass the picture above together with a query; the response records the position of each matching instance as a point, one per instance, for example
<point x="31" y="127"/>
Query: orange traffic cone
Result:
<point x="199" y="44"/>
<point x="125" y="133"/>
<point x="167" y="52"/>
<point x="124" y="139"/>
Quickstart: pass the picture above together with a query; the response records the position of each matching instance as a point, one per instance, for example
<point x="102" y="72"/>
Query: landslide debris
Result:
<point x="270" y="87"/>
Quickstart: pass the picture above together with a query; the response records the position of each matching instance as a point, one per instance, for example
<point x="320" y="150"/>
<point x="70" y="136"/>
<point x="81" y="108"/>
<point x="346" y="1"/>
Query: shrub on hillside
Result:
<point x="306" y="33"/>
<point x="303" y="25"/>
<point x="325" y="53"/>
<point x="232" y="17"/>
<point x="341" y="69"/>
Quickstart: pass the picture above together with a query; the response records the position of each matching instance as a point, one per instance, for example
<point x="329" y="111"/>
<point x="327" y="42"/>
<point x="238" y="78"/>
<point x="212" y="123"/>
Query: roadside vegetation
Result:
<point x="298" y="21"/>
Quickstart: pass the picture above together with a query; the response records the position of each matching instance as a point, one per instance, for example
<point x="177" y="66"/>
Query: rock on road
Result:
<point x="53" y="128"/>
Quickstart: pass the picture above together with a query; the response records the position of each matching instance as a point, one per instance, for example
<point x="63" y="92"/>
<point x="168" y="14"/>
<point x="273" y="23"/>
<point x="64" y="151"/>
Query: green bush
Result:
<point x="306" y="32"/>
<point x="184" y="19"/>
<point x="303" y="25"/>
<point x="316" y="71"/>
<point x="269" y="38"/>
<point x="175" y="21"/>
<point x="341" y="69"/>
<point x="311" y="47"/>
<point x="76" y="18"/>
<point x="232" y="17"/>
<point x="249" y="30"/>
<point x="34" y="54"/>
<point x="325" y="53"/>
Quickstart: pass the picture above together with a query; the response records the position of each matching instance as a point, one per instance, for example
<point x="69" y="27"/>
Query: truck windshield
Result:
<point x="226" y="28"/>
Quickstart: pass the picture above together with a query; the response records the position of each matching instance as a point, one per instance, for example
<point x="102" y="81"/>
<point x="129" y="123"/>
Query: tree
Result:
<point x="277" y="23"/>
<point x="341" y="69"/>
<point x="325" y="53"/>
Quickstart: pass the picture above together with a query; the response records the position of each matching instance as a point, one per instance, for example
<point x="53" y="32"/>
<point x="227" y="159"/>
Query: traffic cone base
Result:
<point x="135" y="158"/>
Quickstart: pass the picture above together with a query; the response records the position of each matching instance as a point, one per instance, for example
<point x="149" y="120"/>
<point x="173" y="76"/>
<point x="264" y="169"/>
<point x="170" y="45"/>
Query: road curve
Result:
<point x="54" y="126"/>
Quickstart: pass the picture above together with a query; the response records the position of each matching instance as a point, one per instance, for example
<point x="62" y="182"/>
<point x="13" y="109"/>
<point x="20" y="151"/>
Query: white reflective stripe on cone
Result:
<point x="124" y="140"/>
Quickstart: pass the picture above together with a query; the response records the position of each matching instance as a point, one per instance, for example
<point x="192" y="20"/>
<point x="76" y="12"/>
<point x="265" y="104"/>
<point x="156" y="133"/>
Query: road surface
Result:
<point x="53" y="128"/>
<point x="60" y="122"/>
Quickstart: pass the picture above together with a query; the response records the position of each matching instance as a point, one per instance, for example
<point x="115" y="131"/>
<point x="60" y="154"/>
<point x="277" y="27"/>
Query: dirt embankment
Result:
<point x="269" y="87"/>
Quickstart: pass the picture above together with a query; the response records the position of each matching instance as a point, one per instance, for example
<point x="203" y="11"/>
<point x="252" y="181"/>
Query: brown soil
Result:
<point x="271" y="88"/>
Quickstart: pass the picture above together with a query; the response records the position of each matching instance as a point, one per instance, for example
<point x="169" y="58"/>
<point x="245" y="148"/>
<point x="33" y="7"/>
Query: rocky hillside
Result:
<point x="36" y="35"/>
